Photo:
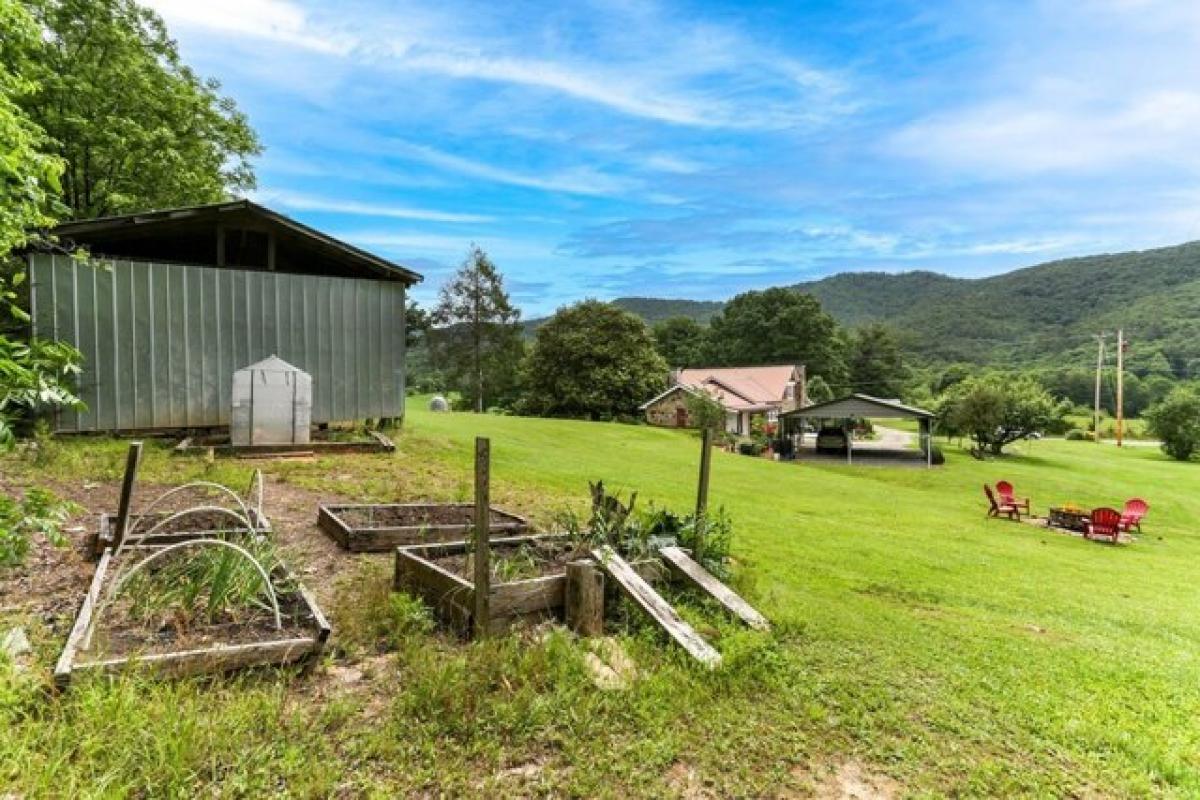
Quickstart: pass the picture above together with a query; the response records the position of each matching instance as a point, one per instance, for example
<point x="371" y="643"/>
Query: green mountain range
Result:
<point x="1045" y="315"/>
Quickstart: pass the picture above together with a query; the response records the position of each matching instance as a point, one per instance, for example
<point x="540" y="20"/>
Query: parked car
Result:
<point x="831" y="440"/>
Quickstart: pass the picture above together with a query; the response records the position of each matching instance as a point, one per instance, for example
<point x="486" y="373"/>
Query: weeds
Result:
<point x="207" y="585"/>
<point x="40" y="513"/>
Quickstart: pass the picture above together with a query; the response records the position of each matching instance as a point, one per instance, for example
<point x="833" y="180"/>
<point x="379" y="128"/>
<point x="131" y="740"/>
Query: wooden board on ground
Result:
<point x="685" y="565"/>
<point x="653" y="604"/>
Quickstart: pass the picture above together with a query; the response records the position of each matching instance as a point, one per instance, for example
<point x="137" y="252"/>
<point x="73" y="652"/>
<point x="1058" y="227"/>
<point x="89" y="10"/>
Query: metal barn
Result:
<point x="172" y="303"/>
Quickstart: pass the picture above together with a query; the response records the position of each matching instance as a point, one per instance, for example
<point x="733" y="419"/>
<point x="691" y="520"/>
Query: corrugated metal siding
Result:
<point x="161" y="341"/>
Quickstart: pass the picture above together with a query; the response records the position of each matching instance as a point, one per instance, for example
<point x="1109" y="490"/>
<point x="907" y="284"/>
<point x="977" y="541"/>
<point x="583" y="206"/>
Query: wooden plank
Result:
<point x="483" y="553"/>
<point x="387" y="444"/>
<point x="528" y="596"/>
<point x="222" y="658"/>
<point x="584" y="599"/>
<point x="653" y="604"/>
<point x="329" y="522"/>
<point x="62" y="670"/>
<point x="684" y="565"/>
<point x="132" y="460"/>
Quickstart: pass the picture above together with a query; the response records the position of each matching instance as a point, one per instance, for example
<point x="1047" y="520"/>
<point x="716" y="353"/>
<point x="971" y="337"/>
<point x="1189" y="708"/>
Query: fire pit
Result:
<point x="1069" y="518"/>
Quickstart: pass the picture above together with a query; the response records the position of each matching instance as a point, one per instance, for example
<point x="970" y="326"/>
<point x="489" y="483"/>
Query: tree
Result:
<point x="478" y="341"/>
<point x="416" y="324"/>
<point x="1176" y="421"/>
<point x="136" y="127"/>
<point x="592" y="360"/>
<point x="681" y="341"/>
<point x="34" y="374"/>
<point x="818" y="390"/>
<point x="777" y="326"/>
<point x="997" y="410"/>
<point x="876" y="366"/>
<point x="704" y="411"/>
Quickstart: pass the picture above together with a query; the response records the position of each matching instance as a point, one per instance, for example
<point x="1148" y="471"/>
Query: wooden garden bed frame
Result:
<point x="106" y="531"/>
<point x="216" y="659"/>
<point x="358" y="539"/>
<point x="374" y="442"/>
<point x="453" y="597"/>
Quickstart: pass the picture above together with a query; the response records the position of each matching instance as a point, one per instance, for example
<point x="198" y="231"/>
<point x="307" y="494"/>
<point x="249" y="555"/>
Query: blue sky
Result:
<point x="700" y="149"/>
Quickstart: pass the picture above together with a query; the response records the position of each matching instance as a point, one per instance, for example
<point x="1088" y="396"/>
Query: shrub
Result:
<point x="1075" y="435"/>
<point x="1176" y="421"/>
<point x="750" y="448"/>
<point x="936" y="456"/>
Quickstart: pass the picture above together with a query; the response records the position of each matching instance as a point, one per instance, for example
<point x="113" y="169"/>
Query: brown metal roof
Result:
<point x="754" y="386"/>
<point x="163" y="234"/>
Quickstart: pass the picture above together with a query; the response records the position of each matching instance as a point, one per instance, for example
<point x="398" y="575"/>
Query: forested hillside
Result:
<point x="1044" y="316"/>
<point x="653" y="309"/>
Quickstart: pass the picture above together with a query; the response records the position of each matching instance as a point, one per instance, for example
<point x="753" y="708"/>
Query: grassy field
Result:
<point x="934" y="651"/>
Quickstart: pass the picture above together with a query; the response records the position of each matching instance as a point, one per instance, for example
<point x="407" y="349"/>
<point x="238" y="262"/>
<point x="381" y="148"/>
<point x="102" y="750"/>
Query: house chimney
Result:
<point x="673" y="377"/>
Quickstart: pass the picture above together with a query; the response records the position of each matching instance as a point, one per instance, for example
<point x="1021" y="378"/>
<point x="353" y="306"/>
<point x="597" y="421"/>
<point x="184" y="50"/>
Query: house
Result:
<point x="744" y="393"/>
<point x="172" y="303"/>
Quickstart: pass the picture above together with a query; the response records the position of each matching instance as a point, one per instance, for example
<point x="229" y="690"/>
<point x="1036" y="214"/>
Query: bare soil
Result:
<point x="193" y="522"/>
<point x="430" y="515"/>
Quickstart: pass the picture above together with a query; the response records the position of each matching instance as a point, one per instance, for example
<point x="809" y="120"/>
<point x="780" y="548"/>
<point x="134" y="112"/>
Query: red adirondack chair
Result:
<point x="1131" y="516"/>
<point x="1005" y="490"/>
<point x="1000" y="509"/>
<point x="1105" y="523"/>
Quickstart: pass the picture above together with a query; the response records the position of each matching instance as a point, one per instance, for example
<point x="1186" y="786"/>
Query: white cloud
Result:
<point x="451" y="247"/>
<point x="305" y="202"/>
<point x="574" y="180"/>
<point x="701" y="75"/>
<point x="276" y="20"/>
<point x="1057" y="131"/>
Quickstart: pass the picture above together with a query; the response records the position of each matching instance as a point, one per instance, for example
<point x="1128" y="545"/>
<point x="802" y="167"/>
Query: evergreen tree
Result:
<point x="478" y="339"/>
<point x="876" y="366"/>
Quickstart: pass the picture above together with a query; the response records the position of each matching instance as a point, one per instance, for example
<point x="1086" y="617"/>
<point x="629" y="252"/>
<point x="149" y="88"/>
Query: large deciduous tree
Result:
<point x="136" y="127"/>
<point x="592" y="360"/>
<point x="477" y="342"/>
<point x="997" y="410"/>
<point x="777" y="326"/>
<point x="681" y="341"/>
<point x="875" y="364"/>
<point x="34" y="373"/>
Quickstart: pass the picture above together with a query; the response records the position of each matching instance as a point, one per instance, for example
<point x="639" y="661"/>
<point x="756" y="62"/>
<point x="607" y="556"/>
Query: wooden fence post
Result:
<point x="133" y="460"/>
<point x="702" y="491"/>
<point x="585" y="598"/>
<point x="483" y="567"/>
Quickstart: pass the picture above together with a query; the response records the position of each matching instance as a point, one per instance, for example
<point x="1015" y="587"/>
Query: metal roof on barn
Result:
<point x="238" y="233"/>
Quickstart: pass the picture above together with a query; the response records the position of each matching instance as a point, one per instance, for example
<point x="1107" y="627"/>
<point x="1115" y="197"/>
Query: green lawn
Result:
<point x="957" y="656"/>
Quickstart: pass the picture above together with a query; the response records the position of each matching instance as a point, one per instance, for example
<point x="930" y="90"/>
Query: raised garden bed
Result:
<point x="377" y="528"/>
<point x="195" y="524"/>
<point x="322" y="442"/>
<point x="529" y="579"/>
<point x="209" y="649"/>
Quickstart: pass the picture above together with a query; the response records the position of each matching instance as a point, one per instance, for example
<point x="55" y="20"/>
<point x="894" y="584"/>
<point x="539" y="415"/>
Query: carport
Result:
<point x="863" y="406"/>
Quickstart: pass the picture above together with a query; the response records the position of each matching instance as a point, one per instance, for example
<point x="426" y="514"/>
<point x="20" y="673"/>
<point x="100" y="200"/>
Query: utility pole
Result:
<point x="1099" y="373"/>
<point x="1120" y="385"/>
